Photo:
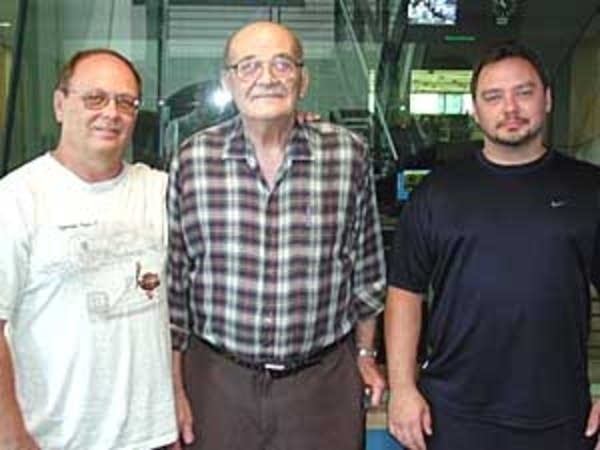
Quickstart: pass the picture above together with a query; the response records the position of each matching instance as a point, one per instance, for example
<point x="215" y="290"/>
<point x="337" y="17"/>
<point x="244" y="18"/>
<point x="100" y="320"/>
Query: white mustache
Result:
<point x="269" y="90"/>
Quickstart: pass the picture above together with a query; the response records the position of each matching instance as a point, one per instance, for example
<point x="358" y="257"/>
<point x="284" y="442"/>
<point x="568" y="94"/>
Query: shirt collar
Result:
<point x="238" y="147"/>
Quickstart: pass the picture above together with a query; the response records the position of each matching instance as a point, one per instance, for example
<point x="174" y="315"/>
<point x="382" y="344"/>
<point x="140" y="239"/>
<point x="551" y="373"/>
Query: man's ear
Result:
<point x="474" y="113"/>
<point x="548" y="100"/>
<point x="59" y="105"/>
<point x="304" y="82"/>
<point x="225" y="81"/>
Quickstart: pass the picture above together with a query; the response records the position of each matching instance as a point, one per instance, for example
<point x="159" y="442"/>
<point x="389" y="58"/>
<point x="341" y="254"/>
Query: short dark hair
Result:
<point x="504" y="50"/>
<point x="68" y="69"/>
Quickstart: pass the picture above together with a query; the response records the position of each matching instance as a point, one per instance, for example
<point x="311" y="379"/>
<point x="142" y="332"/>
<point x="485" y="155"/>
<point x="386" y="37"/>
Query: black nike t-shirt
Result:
<point x="509" y="252"/>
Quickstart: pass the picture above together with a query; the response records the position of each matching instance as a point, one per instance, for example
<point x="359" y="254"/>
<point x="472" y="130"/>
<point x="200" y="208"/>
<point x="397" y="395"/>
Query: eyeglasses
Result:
<point x="250" y="69"/>
<point x="97" y="99"/>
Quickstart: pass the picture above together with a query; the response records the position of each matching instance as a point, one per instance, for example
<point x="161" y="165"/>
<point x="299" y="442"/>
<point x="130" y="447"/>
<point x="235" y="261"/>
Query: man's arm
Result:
<point x="13" y="434"/>
<point x="408" y="412"/>
<point x="373" y="378"/>
<point x="185" y="419"/>
<point x="593" y="423"/>
<point x="177" y="262"/>
<point x="369" y="285"/>
<point x="177" y="287"/>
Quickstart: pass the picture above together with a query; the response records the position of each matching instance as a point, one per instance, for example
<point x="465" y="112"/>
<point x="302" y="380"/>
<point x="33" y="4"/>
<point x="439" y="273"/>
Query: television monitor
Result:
<point x="407" y="180"/>
<point x="445" y="91"/>
<point x="432" y="12"/>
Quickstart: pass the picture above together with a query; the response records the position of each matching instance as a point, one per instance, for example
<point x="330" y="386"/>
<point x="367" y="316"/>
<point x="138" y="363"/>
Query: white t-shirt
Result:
<point x="87" y="323"/>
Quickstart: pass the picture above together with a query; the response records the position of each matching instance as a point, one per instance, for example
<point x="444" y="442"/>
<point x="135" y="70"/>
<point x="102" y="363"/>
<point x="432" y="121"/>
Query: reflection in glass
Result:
<point x="193" y="108"/>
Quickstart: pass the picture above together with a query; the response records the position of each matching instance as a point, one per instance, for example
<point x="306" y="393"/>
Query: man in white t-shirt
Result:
<point x="84" y="341"/>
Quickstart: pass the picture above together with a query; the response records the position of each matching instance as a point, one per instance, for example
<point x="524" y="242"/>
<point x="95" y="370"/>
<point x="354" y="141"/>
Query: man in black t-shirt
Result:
<point x="508" y="241"/>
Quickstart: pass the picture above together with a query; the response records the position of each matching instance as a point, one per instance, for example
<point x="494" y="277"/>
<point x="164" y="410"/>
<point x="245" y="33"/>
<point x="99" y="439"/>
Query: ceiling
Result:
<point x="8" y="14"/>
<point x="552" y="27"/>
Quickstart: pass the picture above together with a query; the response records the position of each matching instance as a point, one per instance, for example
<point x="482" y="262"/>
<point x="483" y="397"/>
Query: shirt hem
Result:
<point x="510" y="420"/>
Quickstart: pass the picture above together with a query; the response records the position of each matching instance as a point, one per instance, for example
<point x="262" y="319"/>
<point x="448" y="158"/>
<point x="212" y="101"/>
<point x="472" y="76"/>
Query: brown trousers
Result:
<point x="318" y="408"/>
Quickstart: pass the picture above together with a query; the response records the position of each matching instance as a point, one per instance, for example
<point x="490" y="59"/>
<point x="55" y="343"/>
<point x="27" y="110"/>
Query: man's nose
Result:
<point x="510" y="102"/>
<point x="111" y="109"/>
<point x="266" y="73"/>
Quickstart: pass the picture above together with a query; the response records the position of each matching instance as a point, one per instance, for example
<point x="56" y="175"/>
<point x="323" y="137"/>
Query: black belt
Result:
<point x="278" y="369"/>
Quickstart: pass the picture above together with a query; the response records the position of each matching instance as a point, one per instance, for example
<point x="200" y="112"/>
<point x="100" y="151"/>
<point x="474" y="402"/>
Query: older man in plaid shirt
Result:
<point x="276" y="264"/>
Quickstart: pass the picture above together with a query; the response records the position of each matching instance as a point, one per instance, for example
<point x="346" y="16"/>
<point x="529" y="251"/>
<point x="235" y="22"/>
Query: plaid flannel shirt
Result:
<point x="272" y="274"/>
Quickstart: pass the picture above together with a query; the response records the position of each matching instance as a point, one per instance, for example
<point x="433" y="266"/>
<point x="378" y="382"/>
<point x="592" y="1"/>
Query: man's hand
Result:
<point x="185" y="420"/>
<point x="593" y="422"/>
<point x="17" y="439"/>
<point x="373" y="378"/>
<point x="408" y="418"/>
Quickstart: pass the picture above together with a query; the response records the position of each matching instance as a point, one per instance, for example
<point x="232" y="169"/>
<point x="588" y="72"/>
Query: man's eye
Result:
<point x="283" y="65"/>
<point x="491" y="97"/>
<point x="95" y="98"/>
<point x="249" y="67"/>
<point x="127" y="101"/>
<point x="525" y="92"/>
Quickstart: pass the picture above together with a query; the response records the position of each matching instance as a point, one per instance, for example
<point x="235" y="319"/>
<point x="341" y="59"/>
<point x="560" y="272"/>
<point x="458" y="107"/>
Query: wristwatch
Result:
<point x="364" y="352"/>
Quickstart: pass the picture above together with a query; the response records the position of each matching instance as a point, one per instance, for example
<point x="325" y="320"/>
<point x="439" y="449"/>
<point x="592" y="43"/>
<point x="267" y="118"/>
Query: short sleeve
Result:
<point x="14" y="249"/>
<point x="412" y="257"/>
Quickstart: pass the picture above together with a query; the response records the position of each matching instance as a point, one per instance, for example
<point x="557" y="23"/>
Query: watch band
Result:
<point x="364" y="352"/>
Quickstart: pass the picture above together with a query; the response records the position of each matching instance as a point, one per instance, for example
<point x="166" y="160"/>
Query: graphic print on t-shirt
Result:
<point x="116" y="267"/>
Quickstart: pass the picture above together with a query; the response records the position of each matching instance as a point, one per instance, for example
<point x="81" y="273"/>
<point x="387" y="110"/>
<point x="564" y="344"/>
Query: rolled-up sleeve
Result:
<point x="369" y="271"/>
<point x="178" y="263"/>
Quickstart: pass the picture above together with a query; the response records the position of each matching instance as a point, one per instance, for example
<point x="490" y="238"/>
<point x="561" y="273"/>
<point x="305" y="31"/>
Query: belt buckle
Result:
<point x="276" y="370"/>
<point x="274" y="367"/>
